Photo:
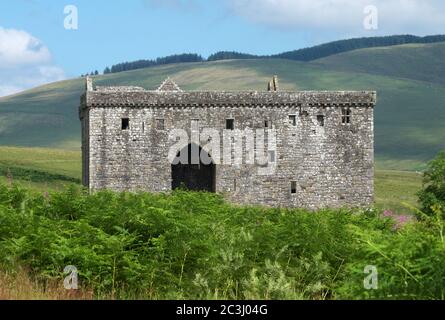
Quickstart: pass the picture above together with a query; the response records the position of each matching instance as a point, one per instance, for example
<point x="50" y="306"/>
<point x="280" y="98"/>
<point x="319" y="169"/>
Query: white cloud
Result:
<point x="344" y="16"/>
<point x="8" y="90"/>
<point x="25" y="62"/>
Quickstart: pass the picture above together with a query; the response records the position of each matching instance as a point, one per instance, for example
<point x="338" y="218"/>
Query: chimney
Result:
<point x="273" y="84"/>
<point x="89" y="83"/>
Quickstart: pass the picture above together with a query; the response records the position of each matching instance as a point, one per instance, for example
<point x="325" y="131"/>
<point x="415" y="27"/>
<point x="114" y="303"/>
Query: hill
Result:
<point x="304" y="54"/>
<point x="409" y="115"/>
<point x="424" y="62"/>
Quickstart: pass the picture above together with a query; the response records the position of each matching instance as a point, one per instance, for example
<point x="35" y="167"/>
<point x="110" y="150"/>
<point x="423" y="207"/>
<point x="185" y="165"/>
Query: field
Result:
<point x="41" y="169"/>
<point x="409" y="115"/>
<point x="396" y="190"/>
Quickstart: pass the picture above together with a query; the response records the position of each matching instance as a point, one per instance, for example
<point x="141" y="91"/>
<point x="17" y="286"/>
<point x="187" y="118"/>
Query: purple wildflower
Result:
<point x="388" y="213"/>
<point x="401" y="221"/>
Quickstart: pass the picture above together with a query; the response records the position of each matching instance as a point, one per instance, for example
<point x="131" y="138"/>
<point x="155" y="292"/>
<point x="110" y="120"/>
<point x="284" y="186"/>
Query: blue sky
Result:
<point x="110" y="32"/>
<point x="35" y="47"/>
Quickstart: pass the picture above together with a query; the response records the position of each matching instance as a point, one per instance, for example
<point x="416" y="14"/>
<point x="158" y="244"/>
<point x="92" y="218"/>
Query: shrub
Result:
<point x="410" y="262"/>
<point x="433" y="193"/>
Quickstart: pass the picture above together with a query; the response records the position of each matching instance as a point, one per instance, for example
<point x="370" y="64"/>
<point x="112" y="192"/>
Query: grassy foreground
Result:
<point x="196" y="246"/>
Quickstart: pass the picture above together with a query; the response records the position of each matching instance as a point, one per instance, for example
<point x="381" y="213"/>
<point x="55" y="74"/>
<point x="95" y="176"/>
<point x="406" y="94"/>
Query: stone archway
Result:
<point x="194" y="177"/>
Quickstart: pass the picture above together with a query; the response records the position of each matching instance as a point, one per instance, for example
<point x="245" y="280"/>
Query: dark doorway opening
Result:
<point x="194" y="177"/>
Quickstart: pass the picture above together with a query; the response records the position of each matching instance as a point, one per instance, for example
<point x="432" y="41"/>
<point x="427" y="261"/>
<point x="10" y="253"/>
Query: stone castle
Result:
<point x="323" y="154"/>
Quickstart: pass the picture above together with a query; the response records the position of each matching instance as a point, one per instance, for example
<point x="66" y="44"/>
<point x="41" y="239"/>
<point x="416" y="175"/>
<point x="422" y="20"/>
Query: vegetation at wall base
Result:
<point x="188" y="245"/>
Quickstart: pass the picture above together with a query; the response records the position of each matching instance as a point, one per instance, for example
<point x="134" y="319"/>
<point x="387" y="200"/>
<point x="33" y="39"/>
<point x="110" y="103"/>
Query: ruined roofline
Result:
<point x="131" y="89"/>
<point x="169" y="85"/>
<point x="118" y="89"/>
<point x="169" y="94"/>
<point x="223" y="98"/>
<point x="178" y="90"/>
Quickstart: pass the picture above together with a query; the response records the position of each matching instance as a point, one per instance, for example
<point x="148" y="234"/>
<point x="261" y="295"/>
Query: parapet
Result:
<point x="169" y="94"/>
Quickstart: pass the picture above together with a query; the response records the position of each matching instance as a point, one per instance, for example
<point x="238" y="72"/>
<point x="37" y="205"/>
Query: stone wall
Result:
<point x="331" y="162"/>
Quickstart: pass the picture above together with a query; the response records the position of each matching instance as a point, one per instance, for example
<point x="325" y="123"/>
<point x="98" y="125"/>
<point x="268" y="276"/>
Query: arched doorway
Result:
<point x="194" y="177"/>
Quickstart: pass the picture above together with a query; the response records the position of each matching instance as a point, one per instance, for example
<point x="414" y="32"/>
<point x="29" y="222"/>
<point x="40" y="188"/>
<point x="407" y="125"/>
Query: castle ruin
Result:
<point x="323" y="154"/>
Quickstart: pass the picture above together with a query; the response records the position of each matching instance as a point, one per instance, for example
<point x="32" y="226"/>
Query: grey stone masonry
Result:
<point x="323" y="154"/>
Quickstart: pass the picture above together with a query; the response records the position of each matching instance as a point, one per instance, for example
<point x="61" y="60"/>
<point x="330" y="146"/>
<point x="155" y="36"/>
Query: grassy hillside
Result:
<point x="42" y="117"/>
<point x="424" y="62"/>
<point x="409" y="115"/>
<point x="304" y="54"/>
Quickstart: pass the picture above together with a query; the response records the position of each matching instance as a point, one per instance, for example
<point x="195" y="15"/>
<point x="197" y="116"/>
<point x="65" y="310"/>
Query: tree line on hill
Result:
<point x="336" y="47"/>
<point x="139" y="64"/>
<point x="306" y="54"/>
<point x="93" y="73"/>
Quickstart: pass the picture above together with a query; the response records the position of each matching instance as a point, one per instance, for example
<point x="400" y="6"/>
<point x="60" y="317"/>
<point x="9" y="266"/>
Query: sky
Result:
<point x="42" y="41"/>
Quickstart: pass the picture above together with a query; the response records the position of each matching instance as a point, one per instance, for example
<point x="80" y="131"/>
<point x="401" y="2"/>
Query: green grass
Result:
<point x="53" y="169"/>
<point x="394" y="189"/>
<point x="40" y="168"/>
<point x="409" y="115"/>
